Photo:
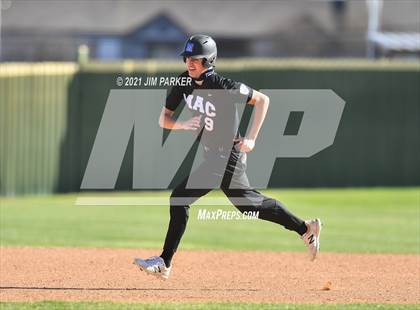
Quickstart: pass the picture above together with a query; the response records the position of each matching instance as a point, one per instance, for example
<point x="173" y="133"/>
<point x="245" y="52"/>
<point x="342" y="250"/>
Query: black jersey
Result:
<point x="216" y="101"/>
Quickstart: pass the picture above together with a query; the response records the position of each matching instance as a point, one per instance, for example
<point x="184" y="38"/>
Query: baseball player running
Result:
<point x="216" y="121"/>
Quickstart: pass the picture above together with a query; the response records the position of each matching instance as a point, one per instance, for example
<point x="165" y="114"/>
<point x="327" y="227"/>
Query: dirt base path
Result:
<point x="33" y="274"/>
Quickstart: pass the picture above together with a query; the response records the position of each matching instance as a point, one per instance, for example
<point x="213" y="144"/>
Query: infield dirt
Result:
<point x="86" y="274"/>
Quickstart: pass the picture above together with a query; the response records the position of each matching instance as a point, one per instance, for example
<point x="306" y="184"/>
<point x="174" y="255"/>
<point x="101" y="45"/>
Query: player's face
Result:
<point x="195" y="67"/>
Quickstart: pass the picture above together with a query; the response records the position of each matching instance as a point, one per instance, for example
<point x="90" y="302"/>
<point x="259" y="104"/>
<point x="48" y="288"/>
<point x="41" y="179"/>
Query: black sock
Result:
<point x="302" y="229"/>
<point x="167" y="258"/>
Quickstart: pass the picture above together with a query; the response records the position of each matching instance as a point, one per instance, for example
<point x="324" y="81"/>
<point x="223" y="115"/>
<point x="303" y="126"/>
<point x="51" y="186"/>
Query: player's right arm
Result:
<point x="166" y="121"/>
<point x="173" y="100"/>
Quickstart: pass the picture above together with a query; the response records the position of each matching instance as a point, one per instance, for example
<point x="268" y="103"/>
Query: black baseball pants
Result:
<point x="234" y="183"/>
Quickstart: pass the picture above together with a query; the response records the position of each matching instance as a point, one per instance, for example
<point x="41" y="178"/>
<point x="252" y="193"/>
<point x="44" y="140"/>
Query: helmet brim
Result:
<point x="189" y="54"/>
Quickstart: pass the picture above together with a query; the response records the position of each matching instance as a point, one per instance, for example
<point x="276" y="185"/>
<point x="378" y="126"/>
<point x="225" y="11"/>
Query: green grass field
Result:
<point x="378" y="220"/>
<point x="355" y="220"/>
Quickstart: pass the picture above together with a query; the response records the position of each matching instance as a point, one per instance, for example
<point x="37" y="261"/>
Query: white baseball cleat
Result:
<point x="311" y="237"/>
<point x="154" y="266"/>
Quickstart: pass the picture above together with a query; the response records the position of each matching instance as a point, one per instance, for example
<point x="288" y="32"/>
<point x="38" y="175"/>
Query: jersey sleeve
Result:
<point x="242" y="89"/>
<point x="175" y="95"/>
<point x="174" y="98"/>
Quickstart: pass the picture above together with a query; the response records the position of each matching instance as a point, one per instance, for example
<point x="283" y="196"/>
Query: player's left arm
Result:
<point x="261" y="103"/>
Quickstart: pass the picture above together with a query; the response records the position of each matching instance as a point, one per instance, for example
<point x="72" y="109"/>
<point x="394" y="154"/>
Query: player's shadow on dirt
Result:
<point x="120" y="289"/>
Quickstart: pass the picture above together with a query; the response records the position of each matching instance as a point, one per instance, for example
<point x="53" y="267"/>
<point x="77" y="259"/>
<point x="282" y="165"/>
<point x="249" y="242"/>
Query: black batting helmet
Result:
<point x="201" y="46"/>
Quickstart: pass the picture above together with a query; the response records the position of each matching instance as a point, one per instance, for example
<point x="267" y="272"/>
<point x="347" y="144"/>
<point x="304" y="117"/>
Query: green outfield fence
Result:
<point x="50" y="112"/>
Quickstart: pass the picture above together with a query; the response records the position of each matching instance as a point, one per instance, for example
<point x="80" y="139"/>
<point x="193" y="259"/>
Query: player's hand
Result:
<point x="192" y="124"/>
<point x="246" y="145"/>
